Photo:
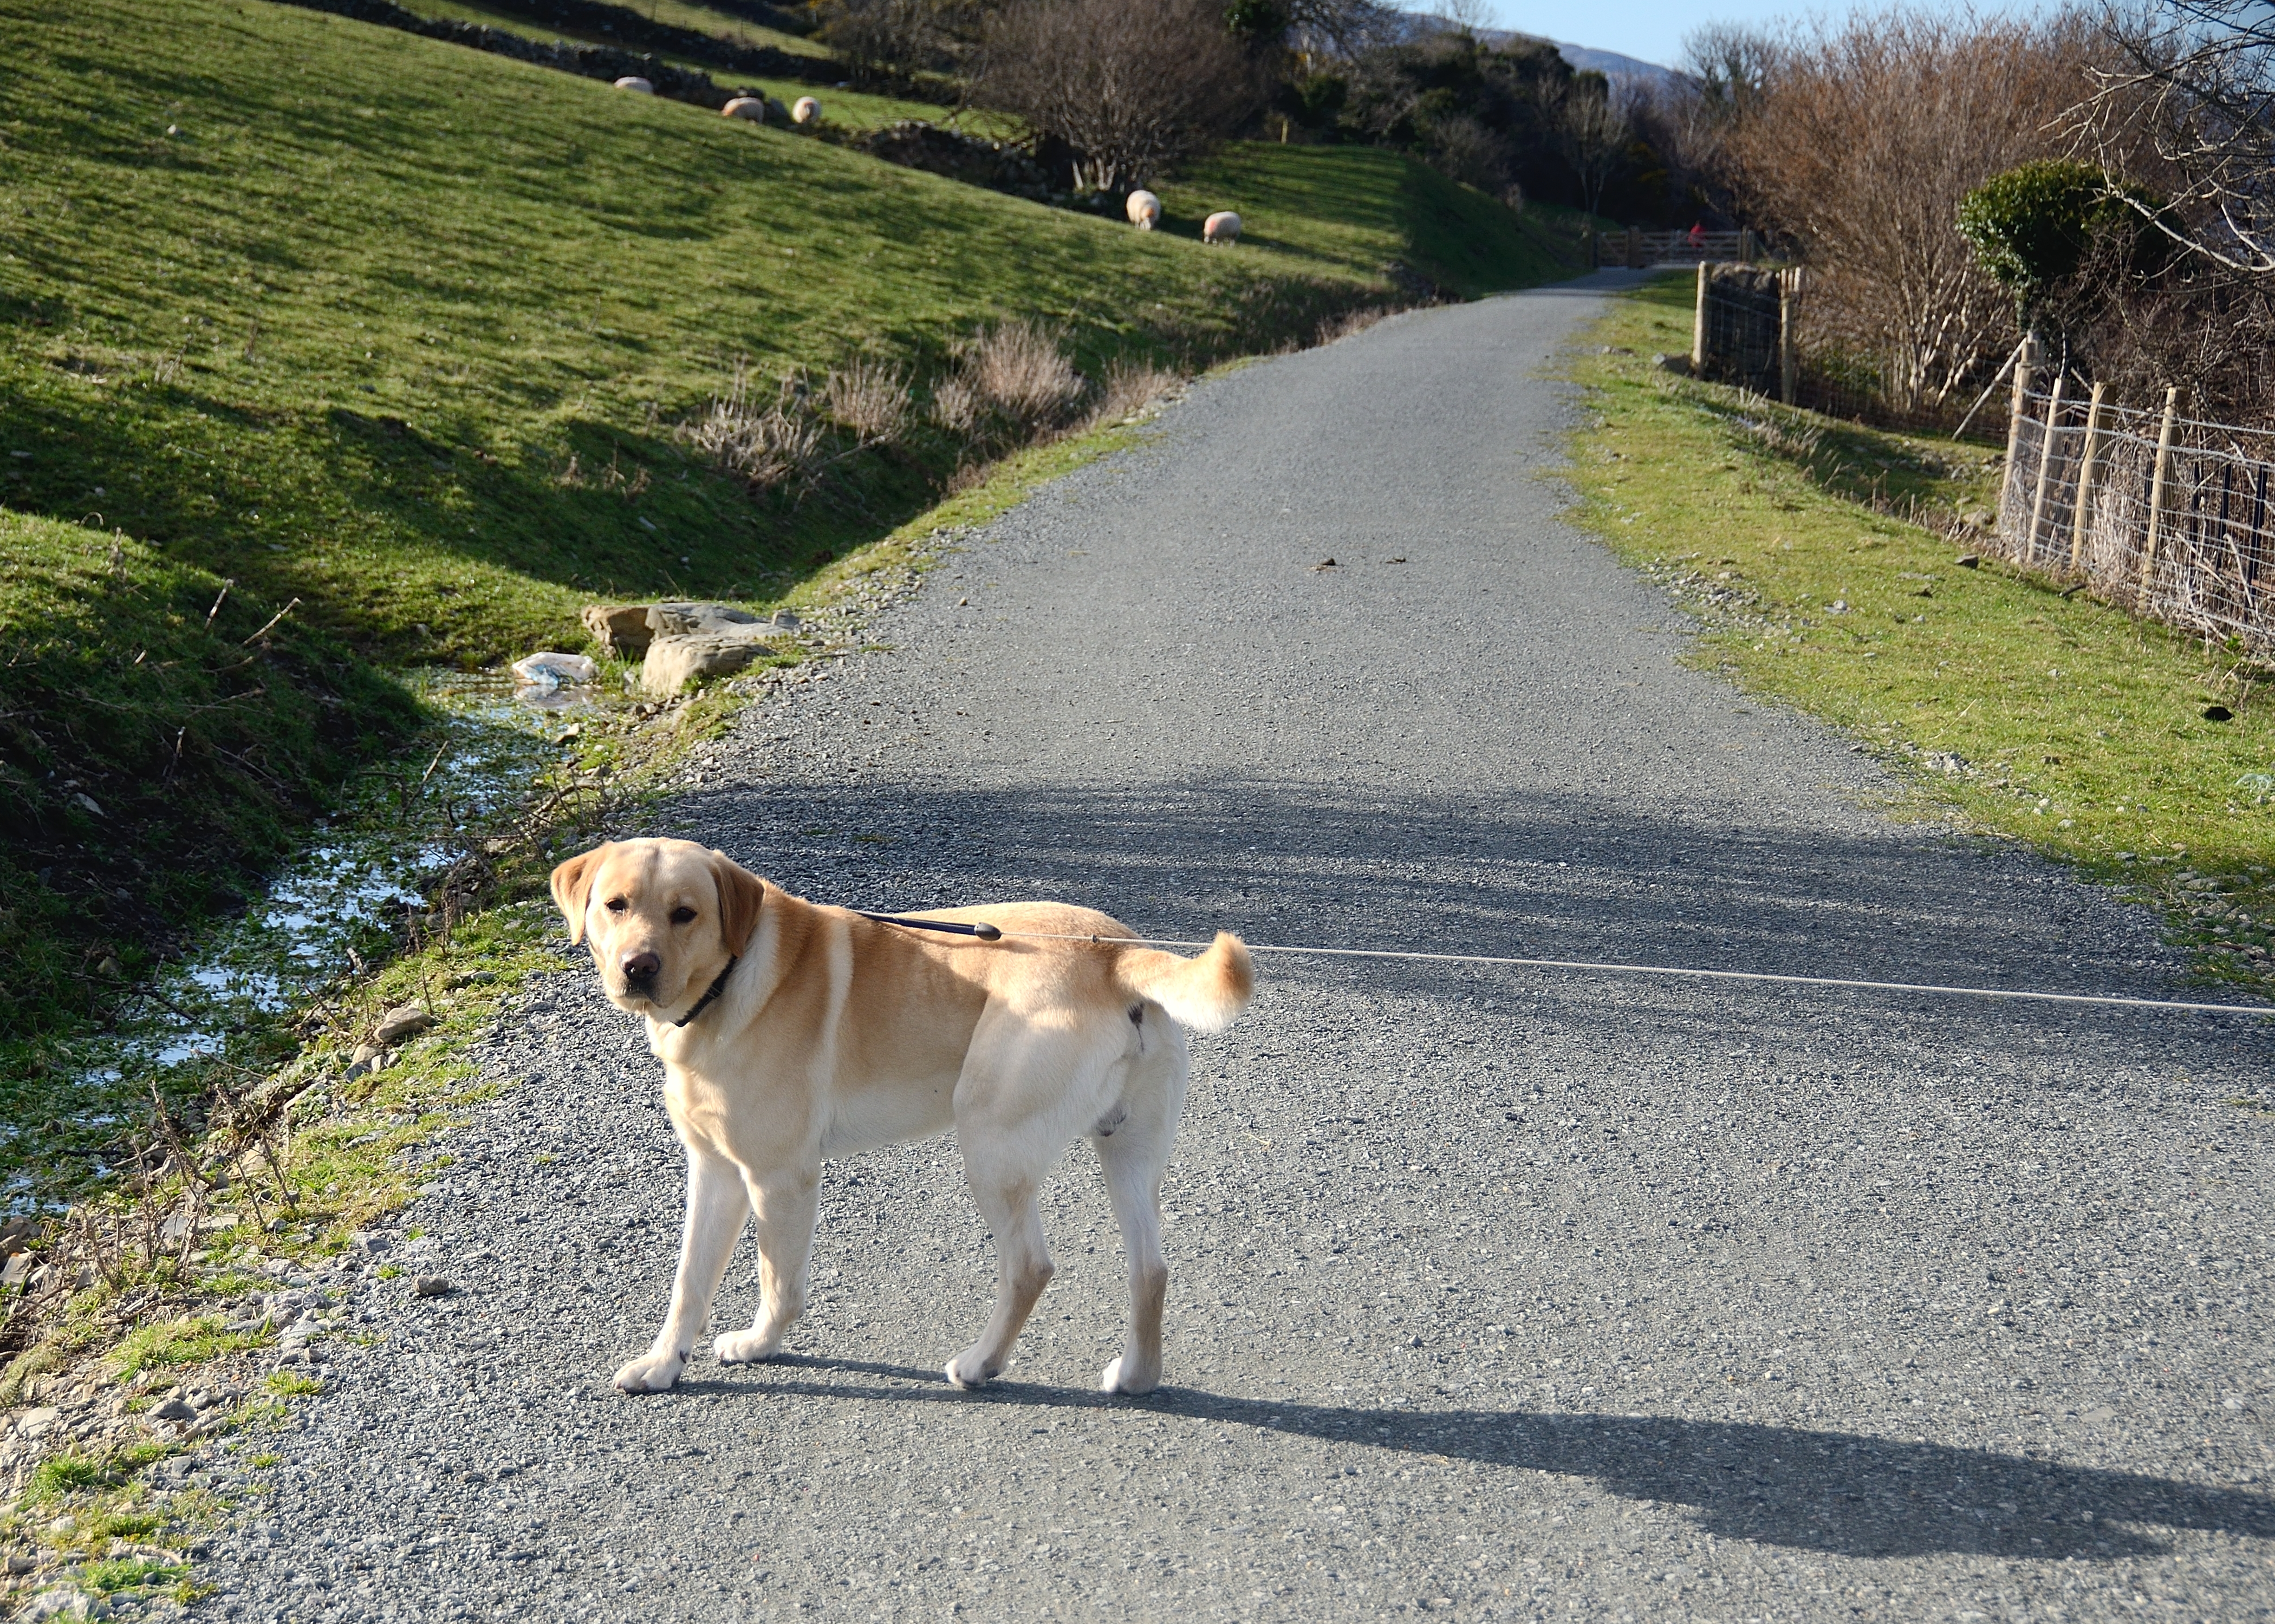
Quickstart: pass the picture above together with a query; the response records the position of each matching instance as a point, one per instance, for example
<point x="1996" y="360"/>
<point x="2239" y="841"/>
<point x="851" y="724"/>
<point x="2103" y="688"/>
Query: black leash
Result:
<point x="985" y="933"/>
<point x="710" y="997"/>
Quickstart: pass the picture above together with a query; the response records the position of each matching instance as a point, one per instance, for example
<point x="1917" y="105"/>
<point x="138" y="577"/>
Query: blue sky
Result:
<point x="1653" y="29"/>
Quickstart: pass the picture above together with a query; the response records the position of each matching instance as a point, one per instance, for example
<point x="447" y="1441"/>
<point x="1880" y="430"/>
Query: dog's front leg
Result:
<point x="716" y="1205"/>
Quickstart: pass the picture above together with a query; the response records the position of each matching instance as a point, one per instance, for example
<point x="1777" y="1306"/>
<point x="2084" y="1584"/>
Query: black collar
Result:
<point x="706" y="1002"/>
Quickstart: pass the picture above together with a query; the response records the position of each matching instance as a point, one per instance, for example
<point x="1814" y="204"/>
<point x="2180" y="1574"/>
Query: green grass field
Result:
<point x="2052" y="719"/>
<point x="404" y="331"/>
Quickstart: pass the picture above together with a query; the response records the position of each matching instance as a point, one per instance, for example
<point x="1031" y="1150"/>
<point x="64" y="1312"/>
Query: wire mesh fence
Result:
<point x="2151" y="508"/>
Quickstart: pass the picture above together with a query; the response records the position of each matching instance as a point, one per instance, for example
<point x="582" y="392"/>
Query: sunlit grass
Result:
<point x="2050" y="718"/>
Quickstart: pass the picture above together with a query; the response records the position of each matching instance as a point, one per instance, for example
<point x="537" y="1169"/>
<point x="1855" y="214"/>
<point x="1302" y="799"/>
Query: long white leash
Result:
<point x="1701" y="974"/>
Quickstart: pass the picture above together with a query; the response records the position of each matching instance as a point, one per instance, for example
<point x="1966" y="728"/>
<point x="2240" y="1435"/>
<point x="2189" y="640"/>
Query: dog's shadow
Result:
<point x="1839" y="1493"/>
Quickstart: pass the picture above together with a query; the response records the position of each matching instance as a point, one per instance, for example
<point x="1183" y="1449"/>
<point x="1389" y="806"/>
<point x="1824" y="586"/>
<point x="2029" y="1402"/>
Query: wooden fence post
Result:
<point x="2174" y="397"/>
<point x="1635" y="247"/>
<point x="2026" y="362"/>
<point x="1699" y="324"/>
<point x="2088" y="460"/>
<point x="1789" y="357"/>
<point x="1745" y="246"/>
<point x="2046" y="466"/>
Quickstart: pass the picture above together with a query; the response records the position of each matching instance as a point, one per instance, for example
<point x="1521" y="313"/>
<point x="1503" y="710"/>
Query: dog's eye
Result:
<point x="681" y="916"/>
<point x="616" y="904"/>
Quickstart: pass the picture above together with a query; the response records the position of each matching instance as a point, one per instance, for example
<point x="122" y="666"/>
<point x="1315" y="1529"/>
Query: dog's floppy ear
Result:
<point x="741" y="893"/>
<point x="572" y="888"/>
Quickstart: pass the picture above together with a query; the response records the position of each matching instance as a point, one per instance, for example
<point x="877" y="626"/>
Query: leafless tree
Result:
<point x="1322" y="30"/>
<point x="1857" y="142"/>
<point x="1592" y="133"/>
<point x="2193" y="81"/>
<point x="1132" y="86"/>
<point x="904" y="35"/>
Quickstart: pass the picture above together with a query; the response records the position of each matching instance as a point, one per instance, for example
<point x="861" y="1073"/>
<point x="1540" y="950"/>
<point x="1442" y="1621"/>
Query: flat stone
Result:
<point x="65" y="1601"/>
<point x="431" y="1286"/>
<point x="679" y="620"/>
<point x="38" y="1423"/>
<point x="408" y="1021"/>
<point x="174" y="1410"/>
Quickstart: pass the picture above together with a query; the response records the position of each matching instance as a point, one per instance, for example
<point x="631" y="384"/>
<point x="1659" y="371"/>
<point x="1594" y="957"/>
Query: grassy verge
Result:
<point x="2035" y="715"/>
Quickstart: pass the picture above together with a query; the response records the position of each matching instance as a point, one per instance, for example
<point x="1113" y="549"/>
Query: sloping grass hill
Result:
<point x="1365" y="212"/>
<point x="404" y="331"/>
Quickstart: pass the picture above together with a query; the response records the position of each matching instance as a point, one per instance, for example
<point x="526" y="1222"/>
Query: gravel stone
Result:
<point x="1757" y="1375"/>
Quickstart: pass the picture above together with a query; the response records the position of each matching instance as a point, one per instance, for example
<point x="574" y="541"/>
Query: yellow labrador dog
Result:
<point x="791" y="1032"/>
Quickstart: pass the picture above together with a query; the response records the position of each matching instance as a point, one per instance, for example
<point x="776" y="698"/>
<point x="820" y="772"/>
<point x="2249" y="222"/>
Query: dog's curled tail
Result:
<point x="1205" y="993"/>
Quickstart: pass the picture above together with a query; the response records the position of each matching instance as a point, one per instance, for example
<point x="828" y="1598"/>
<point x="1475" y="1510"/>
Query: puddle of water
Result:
<point x="332" y="902"/>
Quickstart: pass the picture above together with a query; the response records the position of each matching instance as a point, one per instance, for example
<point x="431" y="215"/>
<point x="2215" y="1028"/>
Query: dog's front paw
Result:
<point x="1136" y="1381"/>
<point x="967" y="1370"/>
<point x="654" y="1373"/>
<point x="746" y="1347"/>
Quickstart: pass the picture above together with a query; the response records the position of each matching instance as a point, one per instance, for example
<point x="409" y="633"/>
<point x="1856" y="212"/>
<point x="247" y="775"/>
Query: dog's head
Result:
<point x="662" y="916"/>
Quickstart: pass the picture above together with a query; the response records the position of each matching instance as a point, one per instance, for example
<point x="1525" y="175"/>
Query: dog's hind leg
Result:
<point x="1133" y="1155"/>
<point x="785" y="1204"/>
<point x="1026" y="1093"/>
<point x="716" y="1206"/>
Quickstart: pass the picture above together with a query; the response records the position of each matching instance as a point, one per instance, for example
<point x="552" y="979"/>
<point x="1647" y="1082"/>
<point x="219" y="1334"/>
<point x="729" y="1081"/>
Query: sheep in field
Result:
<point x="636" y="85"/>
<point x="1144" y="210"/>
<point x="807" y="110"/>
<point x="1221" y="227"/>
<point x="753" y="107"/>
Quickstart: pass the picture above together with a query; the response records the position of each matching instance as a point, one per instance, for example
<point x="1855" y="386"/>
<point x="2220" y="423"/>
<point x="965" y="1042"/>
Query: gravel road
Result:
<point x="1496" y="1293"/>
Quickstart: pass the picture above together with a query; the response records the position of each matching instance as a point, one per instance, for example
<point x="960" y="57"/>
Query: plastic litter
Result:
<point x="549" y="671"/>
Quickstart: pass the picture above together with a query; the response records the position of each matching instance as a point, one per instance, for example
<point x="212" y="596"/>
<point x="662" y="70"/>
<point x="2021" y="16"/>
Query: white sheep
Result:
<point x="753" y="107"/>
<point x="1221" y="227"/>
<point x="637" y="84"/>
<point x="1144" y="210"/>
<point x="807" y="110"/>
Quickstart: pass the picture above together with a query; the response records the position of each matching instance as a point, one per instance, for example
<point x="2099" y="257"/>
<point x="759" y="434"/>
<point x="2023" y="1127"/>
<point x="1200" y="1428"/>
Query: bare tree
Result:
<point x="1858" y="144"/>
<point x="1132" y="86"/>
<point x="1592" y="133"/>
<point x="1320" y="30"/>
<point x="1467" y="16"/>
<point x="902" y="35"/>
<point x="2193" y="82"/>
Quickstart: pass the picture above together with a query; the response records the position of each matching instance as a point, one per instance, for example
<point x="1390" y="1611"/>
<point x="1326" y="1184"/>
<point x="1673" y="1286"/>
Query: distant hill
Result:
<point x="1610" y="63"/>
<point x="1613" y="66"/>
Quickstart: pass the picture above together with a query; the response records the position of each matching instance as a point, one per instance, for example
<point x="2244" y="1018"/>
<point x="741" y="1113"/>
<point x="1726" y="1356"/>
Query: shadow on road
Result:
<point x="1523" y="871"/>
<point x="1839" y="1493"/>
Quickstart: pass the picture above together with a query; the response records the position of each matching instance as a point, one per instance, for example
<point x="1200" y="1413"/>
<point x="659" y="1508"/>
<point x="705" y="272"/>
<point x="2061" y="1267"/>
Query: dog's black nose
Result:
<point x="641" y="966"/>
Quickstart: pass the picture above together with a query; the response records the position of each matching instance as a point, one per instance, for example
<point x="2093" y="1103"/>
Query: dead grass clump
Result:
<point x="1349" y="323"/>
<point x="870" y="399"/>
<point x="767" y="446"/>
<point x="1129" y="389"/>
<point x="1015" y="370"/>
<point x="957" y="405"/>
